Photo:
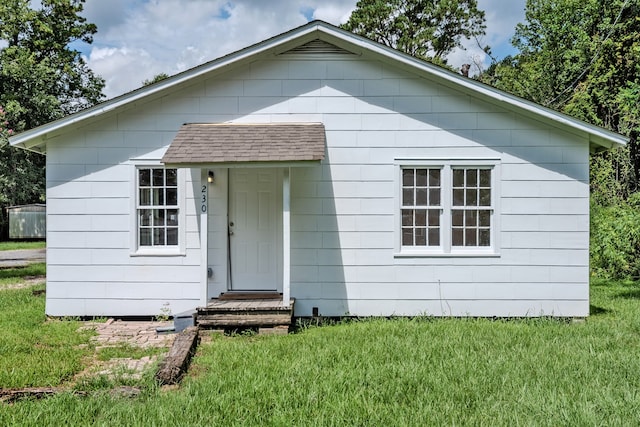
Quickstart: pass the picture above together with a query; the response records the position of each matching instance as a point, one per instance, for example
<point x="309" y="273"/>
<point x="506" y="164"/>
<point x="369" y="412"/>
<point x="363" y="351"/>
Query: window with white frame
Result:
<point x="448" y="207"/>
<point x="421" y="207"/>
<point x="157" y="207"/>
<point x="471" y="209"/>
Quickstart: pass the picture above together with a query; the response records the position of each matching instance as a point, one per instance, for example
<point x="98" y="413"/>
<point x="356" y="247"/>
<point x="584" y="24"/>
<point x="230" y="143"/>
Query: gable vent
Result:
<point x="317" y="47"/>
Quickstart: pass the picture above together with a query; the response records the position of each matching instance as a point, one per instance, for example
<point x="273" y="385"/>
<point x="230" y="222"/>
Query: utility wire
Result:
<point x="593" y="60"/>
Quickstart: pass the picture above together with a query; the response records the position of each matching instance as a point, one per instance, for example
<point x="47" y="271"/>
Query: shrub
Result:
<point x="615" y="239"/>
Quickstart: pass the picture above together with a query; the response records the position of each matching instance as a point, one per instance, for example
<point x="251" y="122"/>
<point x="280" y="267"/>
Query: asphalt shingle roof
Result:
<point x="200" y="143"/>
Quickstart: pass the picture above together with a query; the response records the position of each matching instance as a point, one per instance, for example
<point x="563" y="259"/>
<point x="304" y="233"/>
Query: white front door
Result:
<point x="254" y="229"/>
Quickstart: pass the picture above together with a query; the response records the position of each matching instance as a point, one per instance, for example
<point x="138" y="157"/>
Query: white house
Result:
<point x="347" y="175"/>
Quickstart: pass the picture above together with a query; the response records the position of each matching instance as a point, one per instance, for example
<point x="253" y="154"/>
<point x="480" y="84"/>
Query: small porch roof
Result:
<point x="201" y="144"/>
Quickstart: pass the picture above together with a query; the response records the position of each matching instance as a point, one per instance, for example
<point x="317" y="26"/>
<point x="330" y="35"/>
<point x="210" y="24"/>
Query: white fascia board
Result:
<point x="35" y="139"/>
<point x="597" y="135"/>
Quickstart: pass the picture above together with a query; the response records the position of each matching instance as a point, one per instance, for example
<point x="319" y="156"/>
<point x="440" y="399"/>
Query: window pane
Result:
<point x="407" y="217"/>
<point x="172" y="217"/>
<point x="158" y="197"/>
<point x="485" y="197"/>
<point x="434" y="237"/>
<point x="407" y="237"/>
<point x="158" y="217"/>
<point x="421" y="197"/>
<point x="172" y="197"/>
<point x="421" y="237"/>
<point x="434" y="217"/>
<point x="407" y="177"/>
<point x="434" y="197"/>
<point x="456" y="237"/>
<point x="158" y="189"/>
<point x="172" y="177"/>
<point x="145" y="237"/>
<point x="458" y="197"/>
<point x="158" y="236"/>
<point x="471" y="218"/>
<point x="457" y="218"/>
<point x="421" y="217"/>
<point x="145" y="197"/>
<point x="172" y="236"/>
<point x="144" y="177"/>
<point x="458" y="178"/>
<point x="145" y="217"/>
<point x="158" y="177"/>
<point x="472" y="197"/>
<point x="434" y="177"/>
<point x="485" y="237"/>
<point x="484" y="218"/>
<point x="472" y="177"/>
<point x="485" y="178"/>
<point x="470" y="237"/>
<point x="421" y="177"/>
<point x="407" y="197"/>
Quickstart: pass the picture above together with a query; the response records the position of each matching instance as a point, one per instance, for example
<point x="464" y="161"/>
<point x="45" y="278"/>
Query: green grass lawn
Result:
<point x="376" y="372"/>
<point x="10" y="246"/>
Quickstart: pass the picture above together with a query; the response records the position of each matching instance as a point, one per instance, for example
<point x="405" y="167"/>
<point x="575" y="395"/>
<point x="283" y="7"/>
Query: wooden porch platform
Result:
<point x="245" y="311"/>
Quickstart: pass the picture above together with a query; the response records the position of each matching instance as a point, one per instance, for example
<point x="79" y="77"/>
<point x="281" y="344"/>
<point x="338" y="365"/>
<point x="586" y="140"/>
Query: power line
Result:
<point x="593" y="60"/>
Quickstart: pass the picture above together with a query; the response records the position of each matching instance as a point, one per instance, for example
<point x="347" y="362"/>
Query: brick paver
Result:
<point x="135" y="333"/>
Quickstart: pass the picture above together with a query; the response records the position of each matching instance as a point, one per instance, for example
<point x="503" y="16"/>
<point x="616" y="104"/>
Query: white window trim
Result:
<point x="445" y="249"/>
<point x="134" y="247"/>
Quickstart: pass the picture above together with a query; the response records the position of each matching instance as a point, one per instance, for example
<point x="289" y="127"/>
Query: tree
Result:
<point x="155" y="79"/>
<point x="582" y="57"/>
<point x="427" y="29"/>
<point x="41" y="79"/>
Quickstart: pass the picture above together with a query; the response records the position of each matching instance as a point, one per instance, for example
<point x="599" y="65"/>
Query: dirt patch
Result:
<point x="25" y="282"/>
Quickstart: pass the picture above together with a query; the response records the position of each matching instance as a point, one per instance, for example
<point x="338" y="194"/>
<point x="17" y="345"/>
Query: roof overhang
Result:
<point x="246" y="144"/>
<point x="599" y="138"/>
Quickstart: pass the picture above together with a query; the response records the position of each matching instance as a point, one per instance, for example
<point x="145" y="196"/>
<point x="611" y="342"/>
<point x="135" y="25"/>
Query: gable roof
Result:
<point x="206" y="143"/>
<point x="345" y="42"/>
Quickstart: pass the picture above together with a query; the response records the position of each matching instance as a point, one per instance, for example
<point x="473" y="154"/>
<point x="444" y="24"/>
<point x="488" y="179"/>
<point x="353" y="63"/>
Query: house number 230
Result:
<point x="203" y="206"/>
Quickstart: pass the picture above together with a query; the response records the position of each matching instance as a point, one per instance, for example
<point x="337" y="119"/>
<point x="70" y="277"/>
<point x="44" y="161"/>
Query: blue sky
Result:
<point x="138" y="39"/>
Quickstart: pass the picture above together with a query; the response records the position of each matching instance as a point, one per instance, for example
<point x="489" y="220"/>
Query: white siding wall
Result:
<point x="343" y="211"/>
<point x="343" y="217"/>
<point x="90" y="208"/>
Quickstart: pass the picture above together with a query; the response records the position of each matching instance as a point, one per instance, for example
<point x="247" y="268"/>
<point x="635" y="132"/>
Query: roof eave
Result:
<point x="35" y="139"/>
<point x="251" y="164"/>
<point x="38" y="136"/>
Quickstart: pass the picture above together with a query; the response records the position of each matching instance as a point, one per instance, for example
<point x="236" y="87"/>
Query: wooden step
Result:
<point x="225" y="296"/>
<point x="260" y="313"/>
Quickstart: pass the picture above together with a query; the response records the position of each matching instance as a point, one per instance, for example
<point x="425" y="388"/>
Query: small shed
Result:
<point x="28" y="221"/>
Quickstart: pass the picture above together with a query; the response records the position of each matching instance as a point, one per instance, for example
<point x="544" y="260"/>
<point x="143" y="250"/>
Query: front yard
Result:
<point x="419" y="371"/>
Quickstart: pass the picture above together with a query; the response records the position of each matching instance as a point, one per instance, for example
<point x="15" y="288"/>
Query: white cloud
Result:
<point x="138" y="39"/>
<point x="127" y="68"/>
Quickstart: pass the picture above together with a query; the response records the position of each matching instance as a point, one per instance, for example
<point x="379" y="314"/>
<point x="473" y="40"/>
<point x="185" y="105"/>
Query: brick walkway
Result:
<point x="113" y="333"/>
<point x="138" y="334"/>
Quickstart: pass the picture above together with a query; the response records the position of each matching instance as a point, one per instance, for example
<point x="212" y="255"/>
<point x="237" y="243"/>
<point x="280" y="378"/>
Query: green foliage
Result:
<point x="15" y="245"/>
<point x="35" y="351"/>
<point x="421" y="371"/>
<point x="582" y="57"/>
<point x="427" y="29"/>
<point x="615" y="239"/>
<point x="41" y="79"/>
<point x="155" y="79"/>
<point x="611" y="176"/>
<point x="13" y="275"/>
<point x="127" y="351"/>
